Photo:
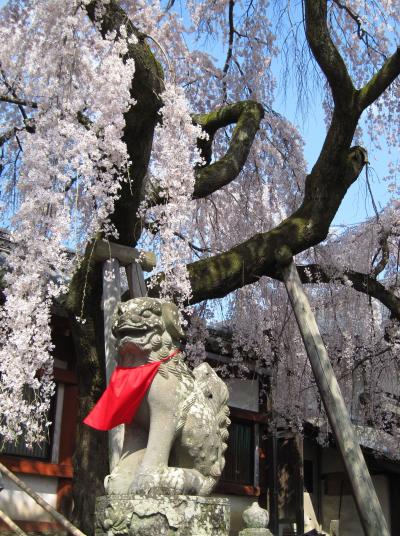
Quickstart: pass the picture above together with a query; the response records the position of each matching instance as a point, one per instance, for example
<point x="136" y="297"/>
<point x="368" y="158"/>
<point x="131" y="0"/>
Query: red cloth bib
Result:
<point x="123" y="396"/>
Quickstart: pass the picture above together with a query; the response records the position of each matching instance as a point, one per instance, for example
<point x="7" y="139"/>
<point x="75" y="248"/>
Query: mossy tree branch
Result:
<point x="247" y="115"/>
<point x="9" y="134"/>
<point x="380" y="81"/>
<point x="245" y="263"/>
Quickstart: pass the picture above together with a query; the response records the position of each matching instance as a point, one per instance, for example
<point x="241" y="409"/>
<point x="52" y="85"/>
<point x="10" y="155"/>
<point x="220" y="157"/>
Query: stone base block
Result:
<point x="162" y="515"/>
<point x="255" y="532"/>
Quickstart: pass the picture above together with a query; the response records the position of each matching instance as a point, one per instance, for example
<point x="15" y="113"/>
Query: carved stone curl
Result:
<point x="176" y="442"/>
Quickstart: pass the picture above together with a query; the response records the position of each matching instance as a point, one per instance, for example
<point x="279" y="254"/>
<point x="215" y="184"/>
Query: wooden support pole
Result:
<point x="136" y="282"/>
<point x="298" y="448"/>
<point x="45" y="505"/>
<point x="111" y="299"/>
<point x="368" y="506"/>
<point x="273" y="489"/>
<point x="10" y="523"/>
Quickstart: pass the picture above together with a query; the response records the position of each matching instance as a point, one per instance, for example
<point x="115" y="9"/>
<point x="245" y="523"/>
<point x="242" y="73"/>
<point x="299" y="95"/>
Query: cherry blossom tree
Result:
<point x="119" y="122"/>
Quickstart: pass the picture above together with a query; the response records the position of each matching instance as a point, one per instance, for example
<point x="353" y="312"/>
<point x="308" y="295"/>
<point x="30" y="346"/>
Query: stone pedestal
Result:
<point x="255" y="532"/>
<point x="162" y="515"/>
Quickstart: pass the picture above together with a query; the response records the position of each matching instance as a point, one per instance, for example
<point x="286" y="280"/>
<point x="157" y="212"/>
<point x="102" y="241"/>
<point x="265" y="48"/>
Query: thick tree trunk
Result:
<point x="91" y="451"/>
<point x="84" y="298"/>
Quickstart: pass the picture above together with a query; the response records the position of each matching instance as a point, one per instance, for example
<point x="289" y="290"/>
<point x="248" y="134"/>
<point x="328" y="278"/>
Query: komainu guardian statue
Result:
<point x="175" y="419"/>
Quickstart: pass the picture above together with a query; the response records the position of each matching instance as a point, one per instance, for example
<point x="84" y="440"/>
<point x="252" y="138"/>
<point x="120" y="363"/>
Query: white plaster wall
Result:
<point x="349" y="523"/>
<point x="19" y="506"/>
<point x="243" y="394"/>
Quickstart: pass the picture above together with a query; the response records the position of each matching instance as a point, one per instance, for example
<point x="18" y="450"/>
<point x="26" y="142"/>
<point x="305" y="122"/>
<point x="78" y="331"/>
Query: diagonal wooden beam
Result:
<point x="10" y="523"/>
<point x="367" y="502"/>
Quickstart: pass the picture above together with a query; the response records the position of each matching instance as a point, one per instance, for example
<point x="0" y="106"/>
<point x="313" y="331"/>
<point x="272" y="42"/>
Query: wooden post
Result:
<point x="299" y="482"/>
<point x="136" y="283"/>
<point x="273" y="481"/>
<point x="113" y="257"/>
<point x="111" y="299"/>
<point x="368" y="506"/>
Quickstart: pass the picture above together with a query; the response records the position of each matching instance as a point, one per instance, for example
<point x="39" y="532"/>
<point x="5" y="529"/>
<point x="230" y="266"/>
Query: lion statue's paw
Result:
<point x="168" y="481"/>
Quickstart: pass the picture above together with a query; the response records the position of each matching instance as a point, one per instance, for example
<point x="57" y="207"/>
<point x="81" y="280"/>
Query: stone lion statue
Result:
<point x="177" y="439"/>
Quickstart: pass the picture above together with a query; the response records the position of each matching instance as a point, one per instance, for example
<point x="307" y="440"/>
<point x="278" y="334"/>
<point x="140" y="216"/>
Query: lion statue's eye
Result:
<point x="146" y="314"/>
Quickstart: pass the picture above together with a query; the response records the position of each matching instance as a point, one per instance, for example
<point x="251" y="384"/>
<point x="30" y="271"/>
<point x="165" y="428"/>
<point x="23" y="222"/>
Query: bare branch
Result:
<point x="230" y="46"/>
<point x="169" y="5"/>
<point x="18" y="102"/>
<point x="9" y="134"/>
<point x="384" y="250"/>
<point x="365" y="283"/>
<point x="361" y="31"/>
<point x="152" y="227"/>
<point x="192" y="245"/>
<point x="11" y="89"/>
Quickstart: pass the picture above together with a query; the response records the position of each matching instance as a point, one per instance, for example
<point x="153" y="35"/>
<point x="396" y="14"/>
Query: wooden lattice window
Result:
<point x="239" y="457"/>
